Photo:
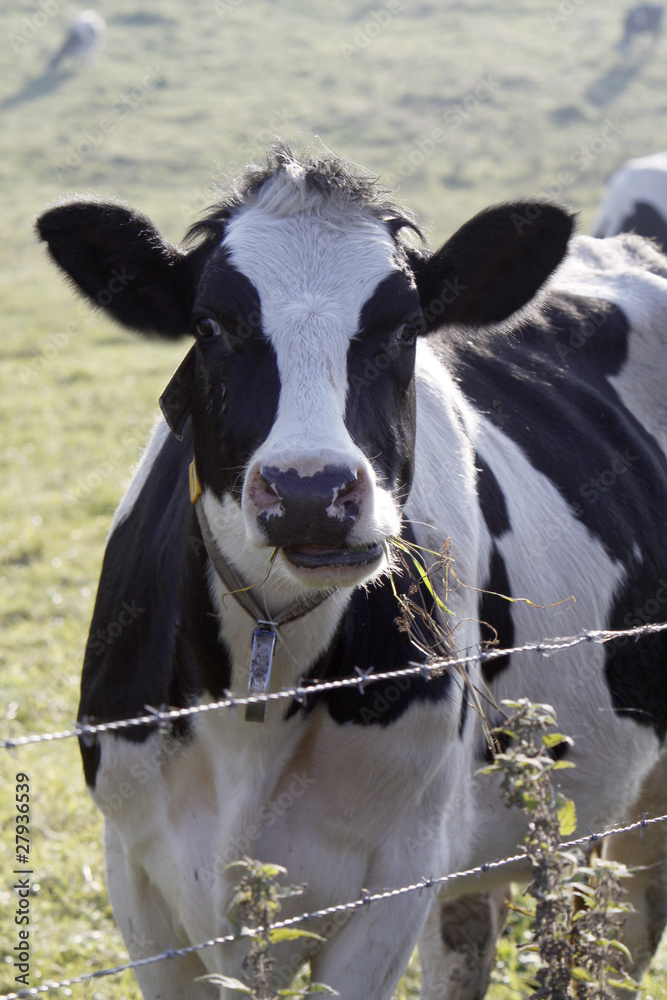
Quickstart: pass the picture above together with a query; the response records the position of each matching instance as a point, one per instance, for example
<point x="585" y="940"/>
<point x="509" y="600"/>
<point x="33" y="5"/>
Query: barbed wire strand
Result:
<point x="162" y="716"/>
<point x="328" y="911"/>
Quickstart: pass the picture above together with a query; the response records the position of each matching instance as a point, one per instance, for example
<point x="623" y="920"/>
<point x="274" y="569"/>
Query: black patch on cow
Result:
<point x="635" y="669"/>
<point x="495" y="615"/>
<point x="551" y="380"/>
<point x="394" y="301"/>
<point x="153" y="638"/>
<point x="372" y="638"/>
<point x="465" y="697"/>
<point x="380" y="411"/>
<point x="233" y="410"/>
<point x="646" y="221"/>
<point x="491" y="500"/>
<point x="227" y="294"/>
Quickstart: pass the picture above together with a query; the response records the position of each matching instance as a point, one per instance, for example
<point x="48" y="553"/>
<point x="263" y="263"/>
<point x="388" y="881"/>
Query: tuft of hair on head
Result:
<point x="289" y="183"/>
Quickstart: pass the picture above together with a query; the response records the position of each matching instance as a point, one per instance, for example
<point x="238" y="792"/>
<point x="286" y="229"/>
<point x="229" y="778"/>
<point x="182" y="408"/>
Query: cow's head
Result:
<point x="305" y="304"/>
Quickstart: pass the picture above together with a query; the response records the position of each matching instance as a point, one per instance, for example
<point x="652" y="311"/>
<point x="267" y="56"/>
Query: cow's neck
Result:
<point x="299" y="642"/>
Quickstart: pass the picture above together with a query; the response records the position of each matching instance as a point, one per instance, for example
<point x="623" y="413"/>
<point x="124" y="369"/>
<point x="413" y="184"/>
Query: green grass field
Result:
<point x="459" y="105"/>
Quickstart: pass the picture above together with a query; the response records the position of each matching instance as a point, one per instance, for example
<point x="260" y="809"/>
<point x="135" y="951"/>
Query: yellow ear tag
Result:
<point x="195" y="485"/>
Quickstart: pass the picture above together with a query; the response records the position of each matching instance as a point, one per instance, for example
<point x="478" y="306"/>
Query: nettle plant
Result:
<point x="254" y="908"/>
<point x="578" y="907"/>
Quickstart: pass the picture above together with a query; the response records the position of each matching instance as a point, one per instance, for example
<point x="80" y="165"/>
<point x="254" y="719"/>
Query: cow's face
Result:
<point x="303" y="409"/>
<point x="305" y="308"/>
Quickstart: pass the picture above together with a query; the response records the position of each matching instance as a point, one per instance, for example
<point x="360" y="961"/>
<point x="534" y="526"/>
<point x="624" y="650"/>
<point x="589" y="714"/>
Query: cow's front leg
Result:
<point x="147" y="926"/>
<point x="368" y="956"/>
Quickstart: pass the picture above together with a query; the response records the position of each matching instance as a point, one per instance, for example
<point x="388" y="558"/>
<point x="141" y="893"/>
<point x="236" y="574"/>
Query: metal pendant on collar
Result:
<point x="265" y="635"/>
<point x="261" y="661"/>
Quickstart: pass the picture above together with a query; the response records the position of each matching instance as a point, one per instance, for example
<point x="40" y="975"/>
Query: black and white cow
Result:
<point x="635" y="200"/>
<point x="341" y="392"/>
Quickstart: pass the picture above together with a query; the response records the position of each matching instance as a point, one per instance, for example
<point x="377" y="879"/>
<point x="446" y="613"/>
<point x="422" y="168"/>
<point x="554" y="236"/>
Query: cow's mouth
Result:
<point x="322" y="556"/>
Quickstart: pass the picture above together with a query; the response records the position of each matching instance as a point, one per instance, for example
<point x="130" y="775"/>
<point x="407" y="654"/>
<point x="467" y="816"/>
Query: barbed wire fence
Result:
<point x="163" y="716"/>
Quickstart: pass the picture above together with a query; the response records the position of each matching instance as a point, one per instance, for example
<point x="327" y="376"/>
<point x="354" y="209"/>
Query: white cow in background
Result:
<point x="635" y="200"/>
<point x="85" y="37"/>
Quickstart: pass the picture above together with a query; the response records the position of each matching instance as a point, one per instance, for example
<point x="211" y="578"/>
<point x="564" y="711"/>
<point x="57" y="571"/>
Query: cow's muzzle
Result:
<point x="312" y="518"/>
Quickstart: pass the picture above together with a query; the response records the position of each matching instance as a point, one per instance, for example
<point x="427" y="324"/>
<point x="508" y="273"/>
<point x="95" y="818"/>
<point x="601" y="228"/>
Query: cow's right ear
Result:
<point x="118" y="259"/>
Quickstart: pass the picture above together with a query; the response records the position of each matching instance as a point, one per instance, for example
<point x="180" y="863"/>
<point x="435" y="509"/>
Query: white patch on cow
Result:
<point x="314" y="264"/>
<point x="549" y="558"/>
<point x="294" y="793"/>
<point x="640" y="180"/>
<point x="159" y="435"/>
<point x="617" y="270"/>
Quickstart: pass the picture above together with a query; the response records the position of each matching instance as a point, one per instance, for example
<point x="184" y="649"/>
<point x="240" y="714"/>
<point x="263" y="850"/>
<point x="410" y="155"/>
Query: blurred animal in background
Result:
<point x="635" y="200"/>
<point x="645" y="18"/>
<point x="85" y="37"/>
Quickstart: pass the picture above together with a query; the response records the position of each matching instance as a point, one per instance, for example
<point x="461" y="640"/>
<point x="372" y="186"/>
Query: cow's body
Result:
<point x="635" y="200"/>
<point x="539" y="455"/>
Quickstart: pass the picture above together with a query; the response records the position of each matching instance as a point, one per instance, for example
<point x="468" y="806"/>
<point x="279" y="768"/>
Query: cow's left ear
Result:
<point x="493" y="265"/>
<point x="116" y="256"/>
<point x="176" y="400"/>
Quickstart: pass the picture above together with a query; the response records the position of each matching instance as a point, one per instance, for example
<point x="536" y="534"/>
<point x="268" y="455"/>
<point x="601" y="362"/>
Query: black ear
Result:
<point x="176" y="400"/>
<point x="117" y="257"/>
<point x="492" y="265"/>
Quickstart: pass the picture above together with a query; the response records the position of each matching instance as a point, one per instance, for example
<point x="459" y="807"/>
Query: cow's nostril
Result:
<point x="264" y="492"/>
<point x="270" y="488"/>
<point x="347" y="488"/>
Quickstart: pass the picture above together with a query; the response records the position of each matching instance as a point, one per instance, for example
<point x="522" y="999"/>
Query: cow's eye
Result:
<point x="205" y="328"/>
<point x="407" y="333"/>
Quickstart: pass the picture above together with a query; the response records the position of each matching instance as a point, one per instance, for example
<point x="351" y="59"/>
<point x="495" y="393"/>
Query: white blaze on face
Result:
<point x="313" y="271"/>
